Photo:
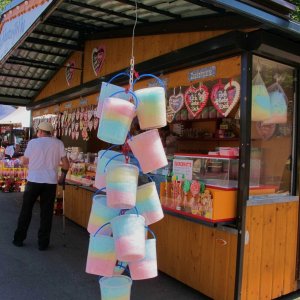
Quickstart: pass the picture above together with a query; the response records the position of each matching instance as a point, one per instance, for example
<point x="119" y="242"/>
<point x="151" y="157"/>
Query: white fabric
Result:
<point x="10" y="150"/>
<point x="44" y="156"/>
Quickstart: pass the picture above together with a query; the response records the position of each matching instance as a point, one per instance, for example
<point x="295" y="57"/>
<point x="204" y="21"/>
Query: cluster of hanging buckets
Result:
<point x="119" y="219"/>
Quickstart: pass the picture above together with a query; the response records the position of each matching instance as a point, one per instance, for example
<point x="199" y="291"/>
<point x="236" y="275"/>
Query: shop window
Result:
<point x="271" y="127"/>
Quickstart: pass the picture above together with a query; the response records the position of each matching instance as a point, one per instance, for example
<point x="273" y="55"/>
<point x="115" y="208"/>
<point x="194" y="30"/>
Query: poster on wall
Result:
<point x="98" y="57"/>
<point x="70" y="68"/>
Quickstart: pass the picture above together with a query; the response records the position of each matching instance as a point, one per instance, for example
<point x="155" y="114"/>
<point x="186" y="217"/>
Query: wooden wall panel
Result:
<point x="200" y="256"/>
<point x="118" y="51"/>
<point x="270" y="256"/>
<point x="58" y="83"/>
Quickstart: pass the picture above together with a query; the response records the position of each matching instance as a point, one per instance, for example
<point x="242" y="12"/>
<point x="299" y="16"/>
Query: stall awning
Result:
<point x="40" y="35"/>
<point x="20" y="116"/>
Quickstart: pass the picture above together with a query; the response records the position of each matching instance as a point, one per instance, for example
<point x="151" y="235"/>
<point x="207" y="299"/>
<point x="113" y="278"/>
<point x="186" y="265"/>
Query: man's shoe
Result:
<point x="18" y="243"/>
<point x="43" y="248"/>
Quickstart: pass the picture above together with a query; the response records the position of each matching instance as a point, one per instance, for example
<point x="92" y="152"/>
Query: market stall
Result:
<point x="230" y="189"/>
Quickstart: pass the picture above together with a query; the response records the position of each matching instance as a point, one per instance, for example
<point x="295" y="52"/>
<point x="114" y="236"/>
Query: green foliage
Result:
<point x="296" y="14"/>
<point x="3" y="3"/>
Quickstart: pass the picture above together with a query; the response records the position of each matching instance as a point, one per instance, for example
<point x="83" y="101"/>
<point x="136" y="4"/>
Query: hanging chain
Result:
<point x="131" y="74"/>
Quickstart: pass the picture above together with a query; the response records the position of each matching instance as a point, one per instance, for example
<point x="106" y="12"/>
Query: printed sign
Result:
<point x="98" y="57"/>
<point x="13" y="30"/>
<point x="183" y="167"/>
<point x="202" y="73"/>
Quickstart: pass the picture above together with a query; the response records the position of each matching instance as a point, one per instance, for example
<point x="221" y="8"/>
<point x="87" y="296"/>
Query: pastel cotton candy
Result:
<point x="148" y="149"/>
<point x="261" y="105"/>
<point x="105" y="156"/>
<point x="151" y="111"/>
<point x="121" y="185"/>
<point x="115" y="121"/>
<point x="115" y="287"/>
<point x="278" y="109"/>
<point x="129" y="237"/>
<point x="101" y="257"/>
<point x="147" y="267"/>
<point x="100" y="214"/>
<point x="148" y="203"/>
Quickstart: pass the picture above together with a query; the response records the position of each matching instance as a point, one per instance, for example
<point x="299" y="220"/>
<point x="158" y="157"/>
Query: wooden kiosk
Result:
<point x="252" y="254"/>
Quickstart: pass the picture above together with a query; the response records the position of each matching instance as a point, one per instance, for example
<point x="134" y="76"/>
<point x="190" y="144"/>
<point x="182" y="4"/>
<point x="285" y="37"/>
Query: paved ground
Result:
<point x="58" y="273"/>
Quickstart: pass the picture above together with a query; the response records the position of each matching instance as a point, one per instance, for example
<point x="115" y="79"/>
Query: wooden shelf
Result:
<point x="208" y="140"/>
<point x="196" y="120"/>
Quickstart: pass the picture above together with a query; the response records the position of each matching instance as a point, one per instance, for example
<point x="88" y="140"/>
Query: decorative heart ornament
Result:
<point x="176" y="102"/>
<point x="195" y="99"/>
<point x="70" y="72"/>
<point x="170" y="114"/>
<point x="98" y="57"/>
<point x="225" y="97"/>
<point x="96" y="122"/>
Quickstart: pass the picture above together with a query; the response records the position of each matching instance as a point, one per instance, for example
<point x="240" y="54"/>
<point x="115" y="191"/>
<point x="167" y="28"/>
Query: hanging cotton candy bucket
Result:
<point x="115" y="288"/>
<point x="148" y="203"/>
<point x="104" y="156"/>
<point x="149" y="151"/>
<point x="121" y="185"/>
<point x="108" y="89"/>
<point x="116" y="119"/>
<point x="101" y="258"/>
<point x="145" y="268"/>
<point x="100" y="214"/>
<point x="151" y="111"/>
<point x="129" y="235"/>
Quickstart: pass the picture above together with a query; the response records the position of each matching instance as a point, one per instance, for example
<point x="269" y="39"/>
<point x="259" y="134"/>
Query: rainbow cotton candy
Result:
<point x="115" y="120"/>
<point x="115" y="288"/>
<point x="151" y="111"/>
<point x="148" y="149"/>
<point x="148" y="203"/>
<point x="101" y="257"/>
<point x="121" y="185"/>
<point x="129" y="236"/>
<point x="100" y="214"/>
<point x="105" y="156"/>
<point x="147" y="267"/>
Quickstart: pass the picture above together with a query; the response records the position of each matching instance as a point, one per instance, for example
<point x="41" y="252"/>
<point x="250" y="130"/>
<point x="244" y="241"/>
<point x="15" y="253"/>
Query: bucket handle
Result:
<point x="98" y="191"/>
<point x="111" y="160"/>
<point x="123" y="211"/>
<point x="153" y="234"/>
<point x="111" y="147"/>
<point x="116" y="76"/>
<point x="136" y="102"/>
<point x="149" y="75"/>
<point x="101" y="227"/>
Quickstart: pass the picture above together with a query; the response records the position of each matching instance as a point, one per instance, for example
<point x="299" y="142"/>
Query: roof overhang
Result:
<point x="57" y="28"/>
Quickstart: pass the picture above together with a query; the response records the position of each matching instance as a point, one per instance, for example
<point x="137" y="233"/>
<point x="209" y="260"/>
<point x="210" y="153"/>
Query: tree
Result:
<point x="296" y="14"/>
<point x="3" y="3"/>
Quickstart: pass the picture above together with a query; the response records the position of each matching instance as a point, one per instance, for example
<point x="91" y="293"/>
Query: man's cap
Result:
<point x="45" y="126"/>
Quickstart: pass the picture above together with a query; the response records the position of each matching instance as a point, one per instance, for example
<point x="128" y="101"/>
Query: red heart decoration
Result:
<point x="176" y="102"/>
<point x="225" y="97"/>
<point x="98" y="57"/>
<point x="70" y="71"/>
<point x="196" y="99"/>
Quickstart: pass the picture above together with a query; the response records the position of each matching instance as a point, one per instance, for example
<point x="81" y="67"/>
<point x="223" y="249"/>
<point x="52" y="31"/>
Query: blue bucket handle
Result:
<point x="118" y="75"/>
<point x="123" y="211"/>
<point x="98" y="191"/>
<point x="108" y="223"/>
<point x="136" y="102"/>
<point x="153" y="234"/>
<point x="111" y="147"/>
<point x="149" y="75"/>
<point x="111" y="160"/>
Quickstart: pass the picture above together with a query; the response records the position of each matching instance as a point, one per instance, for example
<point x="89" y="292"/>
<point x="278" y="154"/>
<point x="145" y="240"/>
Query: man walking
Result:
<point x="43" y="156"/>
